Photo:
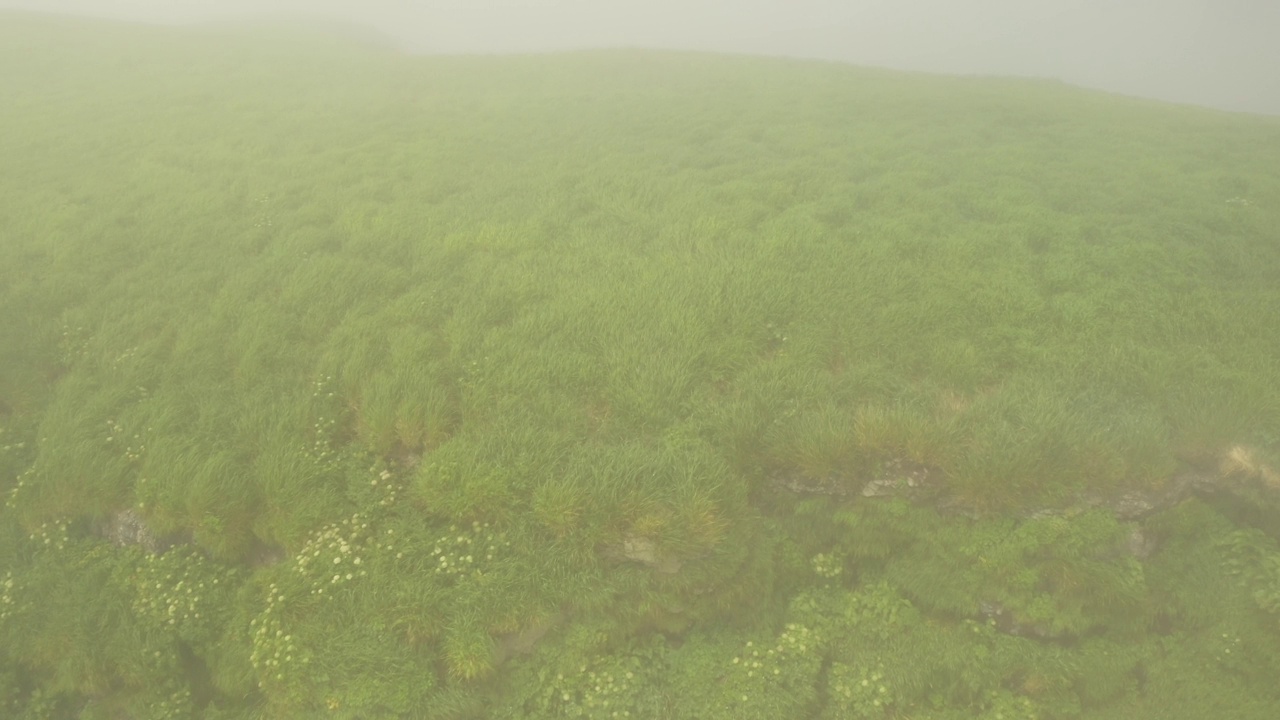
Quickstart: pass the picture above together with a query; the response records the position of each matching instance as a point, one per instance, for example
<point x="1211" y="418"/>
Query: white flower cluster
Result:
<point x="322" y="431"/>
<point x="177" y="705"/>
<point x="858" y="692"/>
<point x="6" y="596"/>
<point x="142" y="489"/>
<point x="828" y="565"/>
<point x="273" y="650"/>
<point x="262" y="219"/>
<point x="1230" y="641"/>
<point x="1005" y="705"/>
<point x="464" y="552"/>
<point x="171" y="589"/>
<point x="336" y="554"/>
<point x="7" y="446"/>
<point x="73" y="345"/>
<point x="383" y="481"/>
<point x="52" y="534"/>
<point x="322" y="387"/>
<point x="15" y="492"/>
<point x="321" y="449"/>
<point x="795" y="649"/>
<point x="133" y="446"/>
<point x="597" y="692"/>
<point x="123" y="358"/>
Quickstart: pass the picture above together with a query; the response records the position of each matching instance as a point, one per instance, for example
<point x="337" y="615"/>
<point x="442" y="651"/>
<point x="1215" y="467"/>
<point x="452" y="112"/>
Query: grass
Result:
<point x="252" y="286"/>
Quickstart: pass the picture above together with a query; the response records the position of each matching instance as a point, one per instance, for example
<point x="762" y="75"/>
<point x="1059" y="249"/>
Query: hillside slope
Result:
<point x="339" y="381"/>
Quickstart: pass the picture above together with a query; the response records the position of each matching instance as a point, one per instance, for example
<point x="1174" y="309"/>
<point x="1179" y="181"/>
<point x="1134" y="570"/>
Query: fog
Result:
<point x="1219" y="53"/>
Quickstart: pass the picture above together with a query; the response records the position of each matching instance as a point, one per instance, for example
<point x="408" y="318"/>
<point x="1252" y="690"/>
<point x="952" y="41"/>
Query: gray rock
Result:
<point x="637" y="548"/>
<point x="523" y="641"/>
<point x="1138" y="544"/>
<point x="127" y="528"/>
<point x="833" y="486"/>
<point x="644" y="550"/>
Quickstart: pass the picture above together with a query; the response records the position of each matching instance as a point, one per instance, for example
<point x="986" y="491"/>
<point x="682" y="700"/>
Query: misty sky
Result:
<point x="1222" y="53"/>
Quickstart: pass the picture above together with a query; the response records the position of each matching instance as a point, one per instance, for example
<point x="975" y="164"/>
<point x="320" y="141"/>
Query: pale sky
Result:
<point x="1221" y="53"/>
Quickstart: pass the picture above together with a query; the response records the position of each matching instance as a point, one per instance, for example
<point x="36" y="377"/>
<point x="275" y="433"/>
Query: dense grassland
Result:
<point x="340" y="383"/>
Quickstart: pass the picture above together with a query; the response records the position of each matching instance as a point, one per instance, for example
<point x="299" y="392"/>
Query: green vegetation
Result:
<point x="339" y="383"/>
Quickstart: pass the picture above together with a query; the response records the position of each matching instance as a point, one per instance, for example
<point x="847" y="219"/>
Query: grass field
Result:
<point x="468" y="387"/>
